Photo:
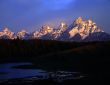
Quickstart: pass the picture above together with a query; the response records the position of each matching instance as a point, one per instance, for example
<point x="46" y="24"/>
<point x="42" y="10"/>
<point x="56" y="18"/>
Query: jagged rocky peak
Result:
<point x="84" y="28"/>
<point x="85" y="24"/>
<point x="78" y="21"/>
<point x="21" y="34"/>
<point x="46" y="29"/>
<point x="7" y="33"/>
<point x="62" y="24"/>
<point x="35" y="34"/>
<point x="62" y="27"/>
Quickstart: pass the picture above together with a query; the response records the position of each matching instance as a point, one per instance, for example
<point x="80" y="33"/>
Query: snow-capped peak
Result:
<point x="46" y="29"/>
<point x="84" y="28"/>
<point x="78" y="21"/>
<point x="62" y="27"/>
<point x="42" y="32"/>
<point x="6" y="33"/>
<point x="60" y="30"/>
<point x="22" y="34"/>
<point x="62" y="24"/>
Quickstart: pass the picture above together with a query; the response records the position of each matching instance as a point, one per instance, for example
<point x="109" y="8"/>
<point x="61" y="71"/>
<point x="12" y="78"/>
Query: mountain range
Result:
<point x="79" y="30"/>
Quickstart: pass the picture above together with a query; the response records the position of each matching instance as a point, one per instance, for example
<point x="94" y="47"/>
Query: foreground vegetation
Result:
<point x="35" y="48"/>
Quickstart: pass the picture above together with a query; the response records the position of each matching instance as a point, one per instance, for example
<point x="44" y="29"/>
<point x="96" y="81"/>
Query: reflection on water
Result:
<point x="11" y="73"/>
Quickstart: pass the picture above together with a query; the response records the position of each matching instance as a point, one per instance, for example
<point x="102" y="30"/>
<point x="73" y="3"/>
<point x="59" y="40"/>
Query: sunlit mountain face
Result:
<point x="79" y="30"/>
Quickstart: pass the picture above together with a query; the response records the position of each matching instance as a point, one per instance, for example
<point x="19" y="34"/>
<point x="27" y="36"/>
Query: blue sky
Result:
<point x="32" y="14"/>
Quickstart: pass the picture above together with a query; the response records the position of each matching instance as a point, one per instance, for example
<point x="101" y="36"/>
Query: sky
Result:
<point x="32" y="14"/>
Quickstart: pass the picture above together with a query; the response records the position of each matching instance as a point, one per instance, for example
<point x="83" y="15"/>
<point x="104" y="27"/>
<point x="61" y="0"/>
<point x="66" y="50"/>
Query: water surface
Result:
<point x="11" y="73"/>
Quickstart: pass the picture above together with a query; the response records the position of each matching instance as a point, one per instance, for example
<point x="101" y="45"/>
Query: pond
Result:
<point x="8" y="72"/>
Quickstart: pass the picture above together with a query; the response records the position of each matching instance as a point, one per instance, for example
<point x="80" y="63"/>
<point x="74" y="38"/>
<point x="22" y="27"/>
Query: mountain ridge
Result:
<point x="79" y="30"/>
